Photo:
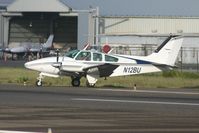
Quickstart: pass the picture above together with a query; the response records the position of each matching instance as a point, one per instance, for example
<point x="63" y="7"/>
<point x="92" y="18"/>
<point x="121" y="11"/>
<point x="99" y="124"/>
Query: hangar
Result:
<point x="33" y="21"/>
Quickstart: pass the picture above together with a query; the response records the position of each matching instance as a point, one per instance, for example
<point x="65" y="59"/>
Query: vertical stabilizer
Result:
<point x="167" y="52"/>
<point x="49" y="42"/>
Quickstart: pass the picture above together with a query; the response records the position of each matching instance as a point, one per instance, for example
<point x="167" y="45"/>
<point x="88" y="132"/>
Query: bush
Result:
<point x="22" y="79"/>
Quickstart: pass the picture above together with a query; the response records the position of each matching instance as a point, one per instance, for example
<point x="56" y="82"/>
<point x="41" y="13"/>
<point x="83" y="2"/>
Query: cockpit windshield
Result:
<point x="72" y="53"/>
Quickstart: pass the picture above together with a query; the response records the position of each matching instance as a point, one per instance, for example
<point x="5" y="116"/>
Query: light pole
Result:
<point x="94" y="14"/>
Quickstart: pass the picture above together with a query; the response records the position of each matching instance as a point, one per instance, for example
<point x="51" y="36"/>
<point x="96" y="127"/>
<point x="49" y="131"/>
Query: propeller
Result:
<point x="57" y="54"/>
<point x="57" y="64"/>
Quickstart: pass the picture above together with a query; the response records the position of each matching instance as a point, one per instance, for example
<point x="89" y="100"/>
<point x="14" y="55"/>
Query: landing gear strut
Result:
<point x="75" y="82"/>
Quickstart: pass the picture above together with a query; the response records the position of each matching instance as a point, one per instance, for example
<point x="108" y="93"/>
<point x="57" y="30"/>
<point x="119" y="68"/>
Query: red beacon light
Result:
<point x="106" y="48"/>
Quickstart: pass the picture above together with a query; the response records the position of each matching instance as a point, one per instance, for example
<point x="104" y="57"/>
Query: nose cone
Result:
<point x="41" y="65"/>
<point x="27" y="65"/>
<point x="44" y="65"/>
<point x="31" y="64"/>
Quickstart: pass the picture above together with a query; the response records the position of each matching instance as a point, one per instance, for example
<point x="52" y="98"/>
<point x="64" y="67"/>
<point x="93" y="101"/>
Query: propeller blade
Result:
<point x="57" y="52"/>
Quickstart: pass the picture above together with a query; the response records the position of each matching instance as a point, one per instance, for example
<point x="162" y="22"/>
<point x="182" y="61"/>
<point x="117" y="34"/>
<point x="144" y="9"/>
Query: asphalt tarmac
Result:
<point x="91" y="110"/>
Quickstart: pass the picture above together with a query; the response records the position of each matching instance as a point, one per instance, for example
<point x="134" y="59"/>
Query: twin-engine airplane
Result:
<point x="93" y="64"/>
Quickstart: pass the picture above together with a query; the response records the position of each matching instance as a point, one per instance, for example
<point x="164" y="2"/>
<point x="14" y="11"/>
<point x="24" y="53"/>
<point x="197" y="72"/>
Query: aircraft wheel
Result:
<point x="75" y="82"/>
<point x="38" y="83"/>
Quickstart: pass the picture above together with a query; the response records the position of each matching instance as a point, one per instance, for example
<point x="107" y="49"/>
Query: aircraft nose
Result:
<point x="27" y="65"/>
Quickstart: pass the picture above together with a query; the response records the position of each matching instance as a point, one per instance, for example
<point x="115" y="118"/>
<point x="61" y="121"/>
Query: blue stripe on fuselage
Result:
<point x="137" y="61"/>
<point x="142" y="62"/>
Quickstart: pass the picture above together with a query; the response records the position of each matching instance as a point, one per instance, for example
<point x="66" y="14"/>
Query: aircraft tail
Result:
<point x="49" y="42"/>
<point x="167" y="52"/>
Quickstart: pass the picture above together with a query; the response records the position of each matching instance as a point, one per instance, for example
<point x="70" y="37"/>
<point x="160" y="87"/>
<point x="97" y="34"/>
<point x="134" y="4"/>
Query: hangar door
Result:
<point x="65" y="30"/>
<point x="36" y="27"/>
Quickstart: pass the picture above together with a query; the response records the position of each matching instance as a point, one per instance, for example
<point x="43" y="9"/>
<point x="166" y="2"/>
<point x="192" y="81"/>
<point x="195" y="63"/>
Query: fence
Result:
<point x="188" y="58"/>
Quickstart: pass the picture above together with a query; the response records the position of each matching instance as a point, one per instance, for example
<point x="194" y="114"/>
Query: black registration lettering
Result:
<point x="132" y="69"/>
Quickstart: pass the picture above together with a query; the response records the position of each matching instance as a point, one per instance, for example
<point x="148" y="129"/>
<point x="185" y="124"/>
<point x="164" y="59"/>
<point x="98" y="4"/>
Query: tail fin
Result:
<point x="167" y="52"/>
<point x="49" y="42"/>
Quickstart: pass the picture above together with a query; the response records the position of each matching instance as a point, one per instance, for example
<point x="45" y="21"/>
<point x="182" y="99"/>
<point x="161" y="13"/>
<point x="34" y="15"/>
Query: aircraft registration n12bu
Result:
<point x="93" y="64"/>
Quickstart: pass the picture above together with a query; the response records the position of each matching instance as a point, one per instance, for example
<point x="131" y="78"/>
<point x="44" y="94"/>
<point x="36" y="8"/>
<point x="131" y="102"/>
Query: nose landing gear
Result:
<point x="39" y="80"/>
<point x="39" y="83"/>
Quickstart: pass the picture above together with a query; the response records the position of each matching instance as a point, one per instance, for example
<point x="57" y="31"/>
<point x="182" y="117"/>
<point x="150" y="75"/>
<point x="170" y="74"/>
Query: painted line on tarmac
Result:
<point x="129" y="101"/>
<point x="5" y="131"/>
<point x="149" y="91"/>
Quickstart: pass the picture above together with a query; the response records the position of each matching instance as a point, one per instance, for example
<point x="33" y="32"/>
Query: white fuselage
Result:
<point x="126" y="66"/>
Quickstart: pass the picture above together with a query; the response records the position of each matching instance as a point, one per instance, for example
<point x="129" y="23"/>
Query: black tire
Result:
<point x="75" y="82"/>
<point x="39" y="83"/>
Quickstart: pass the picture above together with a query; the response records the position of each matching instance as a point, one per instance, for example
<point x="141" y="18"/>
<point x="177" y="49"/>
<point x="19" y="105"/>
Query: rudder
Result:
<point x="167" y="52"/>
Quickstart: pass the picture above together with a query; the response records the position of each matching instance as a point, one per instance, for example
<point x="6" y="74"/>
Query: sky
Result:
<point x="140" y="7"/>
<point x="136" y="7"/>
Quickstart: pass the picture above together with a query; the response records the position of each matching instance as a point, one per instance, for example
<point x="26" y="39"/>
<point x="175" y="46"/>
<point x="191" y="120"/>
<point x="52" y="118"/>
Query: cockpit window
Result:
<point x="72" y="53"/>
<point x="97" y="57"/>
<point x="84" y="55"/>
<point x="110" y="58"/>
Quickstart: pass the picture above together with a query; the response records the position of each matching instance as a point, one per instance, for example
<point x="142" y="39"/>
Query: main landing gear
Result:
<point x="75" y="81"/>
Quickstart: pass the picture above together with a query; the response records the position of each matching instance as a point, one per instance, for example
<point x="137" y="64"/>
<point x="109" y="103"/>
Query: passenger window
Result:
<point x="84" y="56"/>
<point x="97" y="57"/>
<point x="110" y="58"/>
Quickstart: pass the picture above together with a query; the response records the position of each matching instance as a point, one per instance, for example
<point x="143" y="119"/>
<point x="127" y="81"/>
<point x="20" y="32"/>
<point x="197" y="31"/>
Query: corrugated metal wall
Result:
<point x="119" y="25"/>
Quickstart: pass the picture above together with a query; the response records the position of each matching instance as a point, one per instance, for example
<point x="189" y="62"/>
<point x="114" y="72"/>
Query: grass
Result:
<point x="153" y="81"/>
<point x="170" y="79"/>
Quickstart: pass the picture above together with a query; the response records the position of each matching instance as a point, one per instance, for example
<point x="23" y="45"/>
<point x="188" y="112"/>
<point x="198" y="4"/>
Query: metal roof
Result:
<point x="35" y="6"/>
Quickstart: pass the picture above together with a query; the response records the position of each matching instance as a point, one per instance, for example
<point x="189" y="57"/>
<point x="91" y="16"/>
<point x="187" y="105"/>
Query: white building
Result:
<point x="140" y="35"/>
